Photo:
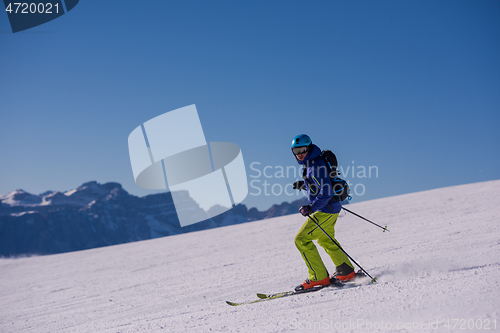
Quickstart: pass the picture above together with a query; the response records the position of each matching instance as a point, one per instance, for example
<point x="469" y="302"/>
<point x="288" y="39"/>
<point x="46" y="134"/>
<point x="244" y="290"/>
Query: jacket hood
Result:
<point x="315" y="152"/>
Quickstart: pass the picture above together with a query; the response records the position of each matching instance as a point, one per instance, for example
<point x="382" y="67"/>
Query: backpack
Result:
<point x="339" y="186"/>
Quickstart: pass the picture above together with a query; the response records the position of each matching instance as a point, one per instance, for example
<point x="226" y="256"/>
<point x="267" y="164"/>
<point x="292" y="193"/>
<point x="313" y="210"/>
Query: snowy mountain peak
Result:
<point x="80" y="196"/>
<point x="86" y="193"/>
<point x="95" y="186"/>
<point x="21" y="198"/>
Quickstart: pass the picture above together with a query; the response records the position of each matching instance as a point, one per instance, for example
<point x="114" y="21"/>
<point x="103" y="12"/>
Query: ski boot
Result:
<point x="310" y="284"/>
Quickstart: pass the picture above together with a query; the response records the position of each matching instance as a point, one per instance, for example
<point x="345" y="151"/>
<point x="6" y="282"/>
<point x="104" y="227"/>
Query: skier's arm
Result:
<point x="324" y="185"/>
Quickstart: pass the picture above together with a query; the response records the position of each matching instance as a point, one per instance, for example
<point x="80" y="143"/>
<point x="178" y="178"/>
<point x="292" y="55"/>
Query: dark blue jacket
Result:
<point x="320" y="193"/>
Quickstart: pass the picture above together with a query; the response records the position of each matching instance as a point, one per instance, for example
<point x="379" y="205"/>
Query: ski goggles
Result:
<point x="300" y="150"/>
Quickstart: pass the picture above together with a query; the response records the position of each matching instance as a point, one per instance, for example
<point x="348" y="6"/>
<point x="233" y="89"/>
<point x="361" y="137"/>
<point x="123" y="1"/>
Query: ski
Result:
<point x="336" y="284"/>
<point x="266" y="297"/>
<point x="258" y="300"/>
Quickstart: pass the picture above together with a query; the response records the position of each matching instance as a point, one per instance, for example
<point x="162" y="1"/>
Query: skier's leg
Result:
<point x="304" y="242"/>
<point x="345" y="269"/>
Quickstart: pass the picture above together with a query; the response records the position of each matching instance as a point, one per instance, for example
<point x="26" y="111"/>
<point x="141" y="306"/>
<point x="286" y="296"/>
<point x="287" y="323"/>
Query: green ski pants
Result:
<point x="309" y="252"/>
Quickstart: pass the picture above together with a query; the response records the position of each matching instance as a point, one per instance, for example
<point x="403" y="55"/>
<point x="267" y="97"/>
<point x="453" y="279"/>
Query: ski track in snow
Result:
<point x="440" y="261"/>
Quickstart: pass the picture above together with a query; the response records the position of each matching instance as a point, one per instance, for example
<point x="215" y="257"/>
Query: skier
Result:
<point x="319" y="192"/>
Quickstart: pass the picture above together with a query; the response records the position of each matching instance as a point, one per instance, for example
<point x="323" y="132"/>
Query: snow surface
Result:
<point x="439" y="264"/>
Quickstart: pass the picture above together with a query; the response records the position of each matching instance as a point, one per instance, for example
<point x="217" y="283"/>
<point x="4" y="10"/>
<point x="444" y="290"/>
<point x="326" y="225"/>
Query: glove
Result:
<point x="299" y="185"/>
<point x="305" y="210"/>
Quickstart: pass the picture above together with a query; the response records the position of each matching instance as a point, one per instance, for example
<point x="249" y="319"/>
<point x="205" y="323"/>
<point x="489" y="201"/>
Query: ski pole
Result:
<point x="361" y="217"/>
<point x="338" y="245"/>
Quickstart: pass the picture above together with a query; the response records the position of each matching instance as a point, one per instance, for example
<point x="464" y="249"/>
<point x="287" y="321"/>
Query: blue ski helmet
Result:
<point x="301" y="140"/>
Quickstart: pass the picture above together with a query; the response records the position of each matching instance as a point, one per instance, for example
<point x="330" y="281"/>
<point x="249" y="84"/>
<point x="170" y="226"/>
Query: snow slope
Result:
<point x="438" y="265"/>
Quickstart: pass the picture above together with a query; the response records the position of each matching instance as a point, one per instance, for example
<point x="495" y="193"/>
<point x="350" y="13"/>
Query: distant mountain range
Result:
<point x="95" y="215"/>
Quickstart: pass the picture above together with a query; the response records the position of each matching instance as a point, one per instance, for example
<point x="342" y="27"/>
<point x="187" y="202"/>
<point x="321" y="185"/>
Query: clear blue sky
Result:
<point x="409" y="87"/>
